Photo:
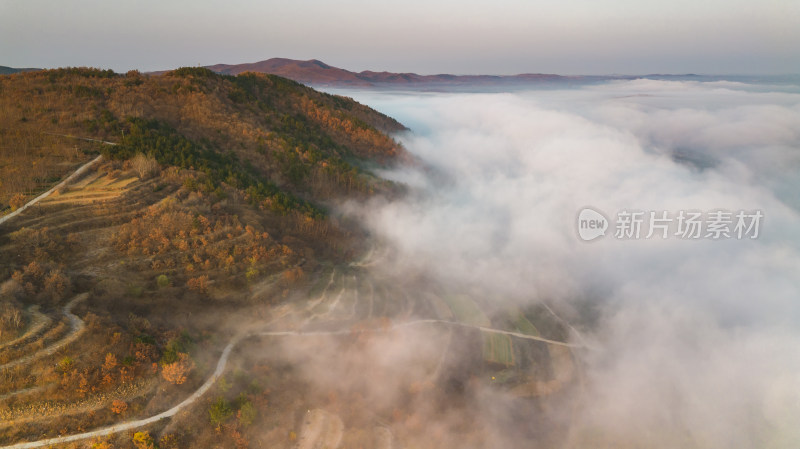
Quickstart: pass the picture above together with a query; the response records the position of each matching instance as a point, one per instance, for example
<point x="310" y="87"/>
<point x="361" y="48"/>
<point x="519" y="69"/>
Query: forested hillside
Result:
<point x="212" y="202"/>
<point x="261" y="129"/>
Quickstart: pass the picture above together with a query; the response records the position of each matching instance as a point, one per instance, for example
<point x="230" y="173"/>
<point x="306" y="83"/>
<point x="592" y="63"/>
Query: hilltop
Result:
<point x="306" y="72"/>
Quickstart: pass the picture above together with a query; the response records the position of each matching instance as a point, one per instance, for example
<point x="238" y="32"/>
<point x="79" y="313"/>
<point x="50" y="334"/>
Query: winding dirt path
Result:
<point x="76" y="328"/>
<point x="292" y="333"/>
<point x="38" y="322"/>
<point x="88" y="139"/>
<point x="121" y="427"/>
<point x="33" y="389"/>
<point x="222" y="363"/>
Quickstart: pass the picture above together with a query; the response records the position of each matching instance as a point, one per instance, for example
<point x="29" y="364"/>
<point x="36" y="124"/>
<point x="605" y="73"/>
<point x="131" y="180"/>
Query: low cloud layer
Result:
<point x="695" y="341"/>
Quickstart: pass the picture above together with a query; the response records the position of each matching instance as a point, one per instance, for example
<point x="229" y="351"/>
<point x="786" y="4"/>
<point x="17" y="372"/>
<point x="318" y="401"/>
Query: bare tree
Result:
<point x="145" y="166"/>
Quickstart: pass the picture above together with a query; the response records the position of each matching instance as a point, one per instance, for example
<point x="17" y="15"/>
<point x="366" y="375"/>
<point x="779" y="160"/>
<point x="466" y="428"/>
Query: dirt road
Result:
<point x="82" y="169"/>
<point x="223" y="360"/>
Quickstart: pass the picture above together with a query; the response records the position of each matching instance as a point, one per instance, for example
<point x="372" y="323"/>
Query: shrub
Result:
<point x="99" y="443"/>
<point x="199" y="284"/>
<point x="119" y="407"/>
<point x="143" y="440"/>
<point x="247" y="414"/>
<point x="11" y="319"/>
<point x="110" y="363"/>
<point x="169" y="441"/>
<point x="56" y="285"/>
<point x="251" y="274"/>
<point x="174" y="347"/>
<point x="162" y="281"/>
<point x="135" y="290"/>
<point x="17" y="201"/>
<point x="220" y="411"/>
<point x="65" y="364"/>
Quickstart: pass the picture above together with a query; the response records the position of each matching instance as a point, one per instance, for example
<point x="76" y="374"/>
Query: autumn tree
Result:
<point x="11" y="320"/>
<point x="110" y="363"/>
<point x="246" y="414"/>
<point x="118" y="407"/>
<point x="143" y="440"/>
<point x="99" y="443"/>
<point x="169" y="441"/>
<point x="199" y="284"/>
<point x="145" y="166"/>
<point x="56" y="285"/>
<point x="17" y="201"/>
<point x="219" y="412"/>
<point x="177" y="372"/>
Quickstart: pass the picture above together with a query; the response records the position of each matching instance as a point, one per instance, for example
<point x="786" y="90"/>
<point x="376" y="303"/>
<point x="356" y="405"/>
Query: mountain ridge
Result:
<point x="316" y="72"/>
<point x="5" y="70"/>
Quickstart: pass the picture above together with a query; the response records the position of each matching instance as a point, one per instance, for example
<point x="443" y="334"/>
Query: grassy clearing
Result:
<point x="97" y="186"/>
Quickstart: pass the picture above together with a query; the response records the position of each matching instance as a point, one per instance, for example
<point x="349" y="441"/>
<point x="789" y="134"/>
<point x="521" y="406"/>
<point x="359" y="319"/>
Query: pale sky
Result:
<point x="434" y="36"/>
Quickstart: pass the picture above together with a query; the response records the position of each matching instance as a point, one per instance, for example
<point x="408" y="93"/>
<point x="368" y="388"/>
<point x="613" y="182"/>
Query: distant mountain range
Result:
<point x="315" y="72"/>
<point x="11" y="70"/>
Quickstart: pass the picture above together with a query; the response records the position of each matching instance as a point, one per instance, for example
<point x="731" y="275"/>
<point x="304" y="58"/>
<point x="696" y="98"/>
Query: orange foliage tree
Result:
<point x="119" y="406"/>
<point x="177" y="372"/>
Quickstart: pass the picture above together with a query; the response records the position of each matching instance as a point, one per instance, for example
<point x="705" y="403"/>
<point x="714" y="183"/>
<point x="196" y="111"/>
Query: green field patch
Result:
<point x="546" y="324"/>
<point x="466" y="311"/>
<point x="522" y="324"/>
<point x="504" y="376"/>
<point x="440" y="307"/>
<point x="498" y="349"/>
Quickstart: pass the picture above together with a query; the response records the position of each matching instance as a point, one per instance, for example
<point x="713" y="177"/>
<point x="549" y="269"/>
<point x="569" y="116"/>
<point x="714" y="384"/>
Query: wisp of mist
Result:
<point x="691" y="342"/>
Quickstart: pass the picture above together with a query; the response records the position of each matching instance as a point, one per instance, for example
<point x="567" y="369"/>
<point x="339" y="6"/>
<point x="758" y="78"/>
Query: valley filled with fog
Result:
<point x="679" y="341"/>
<point x="604" y="263"/>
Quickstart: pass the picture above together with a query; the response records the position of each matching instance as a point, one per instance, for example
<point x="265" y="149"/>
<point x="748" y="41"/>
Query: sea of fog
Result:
<point x="694" y="337"/>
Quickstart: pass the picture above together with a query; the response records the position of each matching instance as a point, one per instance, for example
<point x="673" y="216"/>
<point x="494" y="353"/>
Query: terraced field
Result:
<point x="39" y="384"/>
